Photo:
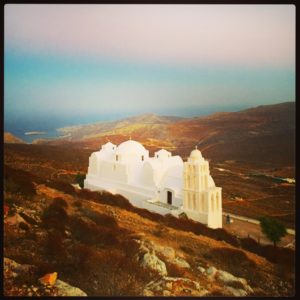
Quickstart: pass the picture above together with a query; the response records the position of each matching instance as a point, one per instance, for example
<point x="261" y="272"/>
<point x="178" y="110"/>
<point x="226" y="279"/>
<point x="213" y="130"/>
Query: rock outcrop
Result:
<point x="154" y="263"/>
<point x="171" y="286"/>
<point x="65" y="289"/>
<point x="234" y="285"/>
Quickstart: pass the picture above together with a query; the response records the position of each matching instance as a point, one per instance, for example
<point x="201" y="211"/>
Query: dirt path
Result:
<point x="242" y="228"/>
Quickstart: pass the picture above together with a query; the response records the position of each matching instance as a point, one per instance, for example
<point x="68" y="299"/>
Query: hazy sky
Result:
<point x="127" y="59"/>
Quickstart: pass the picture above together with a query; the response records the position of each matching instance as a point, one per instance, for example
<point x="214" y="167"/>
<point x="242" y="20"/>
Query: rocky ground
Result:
<point x="63" y="243"/>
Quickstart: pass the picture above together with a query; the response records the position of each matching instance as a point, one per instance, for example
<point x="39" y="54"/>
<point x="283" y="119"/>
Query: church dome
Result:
<point x="131" y="147"/>
<point x="196" y="154"/>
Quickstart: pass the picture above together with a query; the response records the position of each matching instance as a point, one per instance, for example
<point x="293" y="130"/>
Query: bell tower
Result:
<point x="201" y="198"/>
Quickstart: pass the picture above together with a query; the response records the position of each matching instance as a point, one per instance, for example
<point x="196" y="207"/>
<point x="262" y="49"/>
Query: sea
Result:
<point x="46" y="127"/>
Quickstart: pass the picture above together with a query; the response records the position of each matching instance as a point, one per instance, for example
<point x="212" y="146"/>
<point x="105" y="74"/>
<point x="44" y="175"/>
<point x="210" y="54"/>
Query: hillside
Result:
<point x="11" y="139"/>
<point x="144" y="126"/>
<point x="100" y="245"/>
<point x="258" y="135"/>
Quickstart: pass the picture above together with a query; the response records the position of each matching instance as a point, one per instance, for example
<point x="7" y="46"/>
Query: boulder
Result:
<point x="152" y="262"/>
<point x="236" y="292"/>
<point x="14" y="220"/>
<point x="211" y="272"/>
<point x="48" y="279"/>
<point x="167" y="252"/>
<point x="180" y="262"/>
<point x="172" y="286"/>
<point x="201" y="269"/>
<point x="230" y="279"/>
<point x="15" y="269"/>
<point x="66" y="290"/>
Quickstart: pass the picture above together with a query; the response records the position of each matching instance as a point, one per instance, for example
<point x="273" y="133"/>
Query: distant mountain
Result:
<point x="147" y="127"/>
<point x="263" y="134"/>
<point x="11" y="139"/>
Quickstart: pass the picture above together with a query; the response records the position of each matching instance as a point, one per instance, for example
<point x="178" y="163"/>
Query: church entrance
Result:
<point x="169" y="197"/>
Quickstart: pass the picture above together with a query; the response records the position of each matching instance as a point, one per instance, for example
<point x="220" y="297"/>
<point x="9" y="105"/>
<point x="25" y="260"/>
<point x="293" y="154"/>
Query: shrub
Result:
<point x="101" y="219"/>
<point x="251" y="245"/>
<point x="106" y="198"/>
<point x="91" y="233"/>
<point x="279" y="255"/>
<point x="79" y="179"/>
<point x="54" y="245"/>
<point x="62" y="186"/>
<point x="60" y="202"/>
<point x="20" y="182"/>
<point x="234" y="257"/>
<point x="55" y="216"/>
<point x="273" y="230"/>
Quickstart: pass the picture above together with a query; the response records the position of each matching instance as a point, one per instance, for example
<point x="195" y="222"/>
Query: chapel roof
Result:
<point x="109" y="144"/>
<point x="131" y="146"/>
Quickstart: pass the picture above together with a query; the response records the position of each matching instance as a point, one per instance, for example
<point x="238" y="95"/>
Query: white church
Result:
<point x="163" y="184"/>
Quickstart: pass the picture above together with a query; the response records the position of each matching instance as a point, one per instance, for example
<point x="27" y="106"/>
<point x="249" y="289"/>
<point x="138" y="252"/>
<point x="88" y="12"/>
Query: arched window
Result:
<point x="142" y="157"/>
<point x="117" y="157"/>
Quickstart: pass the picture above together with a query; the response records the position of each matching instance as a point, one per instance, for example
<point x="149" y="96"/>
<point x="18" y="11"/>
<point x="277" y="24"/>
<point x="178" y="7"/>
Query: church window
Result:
<point x="142" y="157"/>
<point x="117" y="157"/>
<point x="217" y="202"/>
